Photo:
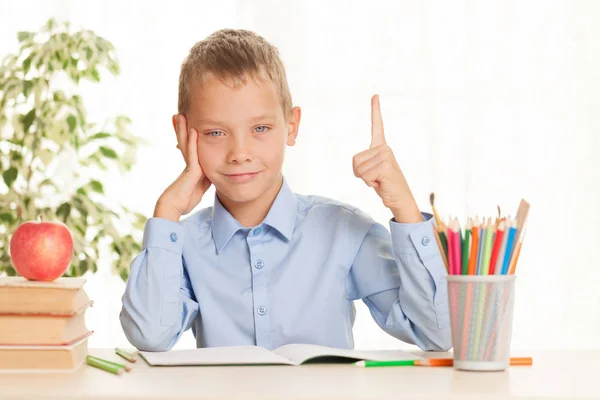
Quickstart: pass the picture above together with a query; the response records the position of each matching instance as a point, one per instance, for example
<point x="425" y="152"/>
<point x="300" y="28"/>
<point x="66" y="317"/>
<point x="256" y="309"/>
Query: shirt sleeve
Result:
<point x="158" y="303"/>
<point x="401" y="278"/>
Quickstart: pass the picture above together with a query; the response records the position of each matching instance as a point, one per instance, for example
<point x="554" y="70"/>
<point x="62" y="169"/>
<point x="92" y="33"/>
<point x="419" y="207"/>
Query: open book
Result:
<point x="290" y="354"/>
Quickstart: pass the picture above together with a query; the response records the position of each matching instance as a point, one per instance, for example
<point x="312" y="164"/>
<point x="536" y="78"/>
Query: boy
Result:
<point x="265" y="266"/>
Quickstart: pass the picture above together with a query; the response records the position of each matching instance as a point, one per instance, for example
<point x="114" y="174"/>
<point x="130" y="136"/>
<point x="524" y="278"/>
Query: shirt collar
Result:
<point x="281" y="217"/>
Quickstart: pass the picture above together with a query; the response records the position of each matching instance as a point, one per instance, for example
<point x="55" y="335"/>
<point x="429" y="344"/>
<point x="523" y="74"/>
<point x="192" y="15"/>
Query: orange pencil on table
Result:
<point x="449" y="362"/>
<point x="497" y="245"/>
<point x="474" y="247"/>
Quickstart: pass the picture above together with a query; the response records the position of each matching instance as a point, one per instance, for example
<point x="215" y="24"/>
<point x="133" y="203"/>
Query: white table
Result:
<point x="566" y="375"/>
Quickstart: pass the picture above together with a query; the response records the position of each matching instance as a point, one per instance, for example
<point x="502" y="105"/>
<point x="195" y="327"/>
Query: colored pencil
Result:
<point x="449" y="362"/>
<point x="126" y="355"/>
<point x="509" y="246"/>
<point x="398" y="363"/>
<point x="482" y="233"/>
<point x="465" y="248"/>
<point x="456" y="244"/>
<point x="515" y="257"/>
<point x="487" y="249"/>
<point x="474" y="248"/>
<point x="502" y="251"/>
<point x="127" y="368"/>
<point x="450" y="251"/>
<point x="497" y="244"/>
<point x="109" y="367"/>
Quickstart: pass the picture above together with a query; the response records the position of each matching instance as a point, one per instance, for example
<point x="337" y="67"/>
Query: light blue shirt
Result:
<point x="291" y="279"/>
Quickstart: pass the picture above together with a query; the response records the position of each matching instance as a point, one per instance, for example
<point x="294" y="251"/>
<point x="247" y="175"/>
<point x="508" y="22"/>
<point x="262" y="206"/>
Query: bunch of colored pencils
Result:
<point x="483" y="247"/>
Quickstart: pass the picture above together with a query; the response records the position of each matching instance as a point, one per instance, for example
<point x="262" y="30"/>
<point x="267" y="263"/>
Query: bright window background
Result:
<point x="483" y="103"/>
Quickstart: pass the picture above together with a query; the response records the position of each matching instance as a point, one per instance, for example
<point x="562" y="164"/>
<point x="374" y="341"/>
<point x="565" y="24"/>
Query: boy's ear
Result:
<point x="174" y="121"/>
<point x="293" y="125"/>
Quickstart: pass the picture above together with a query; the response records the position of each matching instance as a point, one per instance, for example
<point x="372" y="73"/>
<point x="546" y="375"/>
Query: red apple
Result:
<point x="41" y="250"/>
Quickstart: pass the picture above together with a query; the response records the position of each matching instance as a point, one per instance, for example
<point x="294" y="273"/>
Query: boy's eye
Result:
<point x="261" y="129"/>
<point x="214" y="133"/>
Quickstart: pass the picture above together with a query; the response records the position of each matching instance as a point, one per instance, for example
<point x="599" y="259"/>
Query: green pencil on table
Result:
<point x="126" y="355"/>
<point x="397" y="363"/>
<point x="105" y="365"/>
<point x="111" y="366"/>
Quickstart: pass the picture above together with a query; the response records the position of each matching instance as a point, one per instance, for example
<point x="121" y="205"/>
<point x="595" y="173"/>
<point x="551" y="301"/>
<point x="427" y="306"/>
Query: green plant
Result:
<point x="41" y="125"/>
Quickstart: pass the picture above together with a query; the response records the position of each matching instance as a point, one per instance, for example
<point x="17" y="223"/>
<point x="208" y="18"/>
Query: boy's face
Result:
<point x="242" y="134"/>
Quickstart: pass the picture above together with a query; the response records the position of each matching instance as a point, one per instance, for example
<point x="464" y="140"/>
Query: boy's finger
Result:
<point x="377" y="136"/>
<point x="367" y="154"/>
<point x="192" y="148"/>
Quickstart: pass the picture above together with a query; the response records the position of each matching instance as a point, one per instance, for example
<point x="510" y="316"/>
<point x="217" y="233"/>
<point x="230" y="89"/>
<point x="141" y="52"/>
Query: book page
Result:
<point x="234" y="355"/>
<point x="301" y="353"/>
<point x="58" y="283"/>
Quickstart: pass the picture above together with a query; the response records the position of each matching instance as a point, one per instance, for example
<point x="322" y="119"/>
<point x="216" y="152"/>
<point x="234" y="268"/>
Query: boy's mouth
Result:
<point x="242" y="178"/>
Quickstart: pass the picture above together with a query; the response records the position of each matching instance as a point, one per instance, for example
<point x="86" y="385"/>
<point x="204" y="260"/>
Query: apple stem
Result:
<point x="41" y="217"/>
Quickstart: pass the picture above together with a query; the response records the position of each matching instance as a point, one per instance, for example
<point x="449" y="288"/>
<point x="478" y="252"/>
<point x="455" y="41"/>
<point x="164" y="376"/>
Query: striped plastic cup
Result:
<point x="481" y="314"/>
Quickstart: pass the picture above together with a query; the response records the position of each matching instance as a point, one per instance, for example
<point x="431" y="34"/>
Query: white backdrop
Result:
<point x="483" y="102"/>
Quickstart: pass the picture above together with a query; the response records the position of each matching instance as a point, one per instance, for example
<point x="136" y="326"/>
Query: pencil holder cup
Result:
<point x="481" y="314"/>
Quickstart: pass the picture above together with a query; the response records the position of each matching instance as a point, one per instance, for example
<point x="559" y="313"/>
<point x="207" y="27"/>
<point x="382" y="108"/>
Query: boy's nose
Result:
<point x="239" y="152"/>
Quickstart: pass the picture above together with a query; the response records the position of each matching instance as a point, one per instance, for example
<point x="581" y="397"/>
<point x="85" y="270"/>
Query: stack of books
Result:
<point x="42" y="324"/>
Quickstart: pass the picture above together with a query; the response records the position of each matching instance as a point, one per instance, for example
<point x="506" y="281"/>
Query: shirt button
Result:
<point x="257" y="231"/>
<point x="262" y="310"/>
<point x="173" y="237"/>
<point x="259" y="264"/>
<point x="425" y="241"/>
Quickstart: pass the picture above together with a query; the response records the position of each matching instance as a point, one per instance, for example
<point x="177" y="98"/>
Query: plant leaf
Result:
<point x="63" y="211"/>
<point x="97" y="186"/>
<point x="108" y="152"/>
<point x="10" y="175"/>
<point x="100" y="135"/>
<point x="27" y="86"/>
<point x="27" y="65"/>
<point x="28" y="120"/>
<point x="16" y="156"/>
<point x="23" y="36"/>
<point x="95" y="75"/>
<point x="72" y="122"/>
<point x="7" y="217"/>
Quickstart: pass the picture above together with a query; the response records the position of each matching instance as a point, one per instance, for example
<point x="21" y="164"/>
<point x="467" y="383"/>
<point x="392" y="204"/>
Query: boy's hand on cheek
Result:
<point x="378" y="168"/>
<point x="186" y="192"/>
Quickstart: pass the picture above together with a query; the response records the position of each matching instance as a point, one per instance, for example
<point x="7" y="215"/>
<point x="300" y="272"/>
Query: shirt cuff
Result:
<point x="164" y="234"/>
<point x="415" y="238"/>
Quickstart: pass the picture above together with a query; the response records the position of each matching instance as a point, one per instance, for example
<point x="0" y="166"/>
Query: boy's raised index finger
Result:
<point x="377" y="136"/>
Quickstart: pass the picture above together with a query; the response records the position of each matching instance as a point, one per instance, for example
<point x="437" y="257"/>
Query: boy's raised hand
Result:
<point x="378" y="168"/>
<point x="186" y="192"/>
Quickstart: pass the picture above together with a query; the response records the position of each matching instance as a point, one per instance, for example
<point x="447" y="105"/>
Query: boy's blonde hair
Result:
<point x="232" y="55"/>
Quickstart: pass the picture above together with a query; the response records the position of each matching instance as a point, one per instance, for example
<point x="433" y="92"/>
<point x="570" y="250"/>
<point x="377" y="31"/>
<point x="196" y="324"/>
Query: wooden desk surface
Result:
<point x="559" y="374"/>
